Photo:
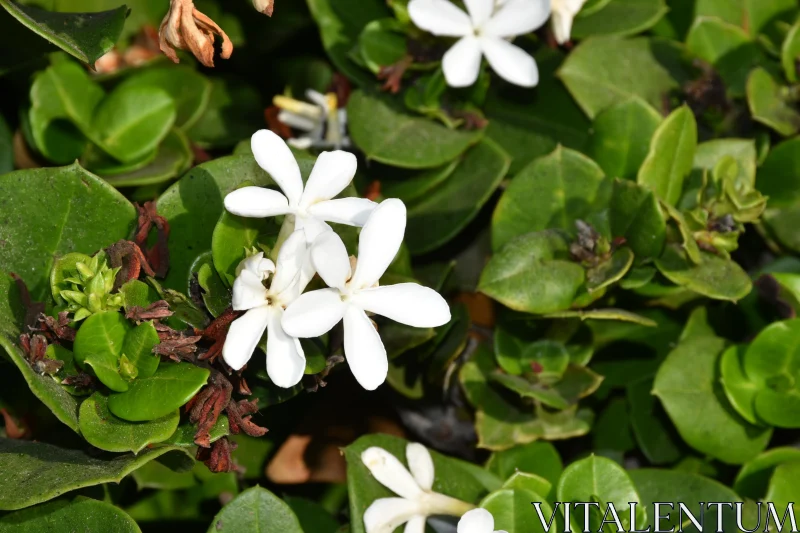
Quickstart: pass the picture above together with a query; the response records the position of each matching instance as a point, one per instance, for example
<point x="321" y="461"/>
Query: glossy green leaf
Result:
<point x="532" y="273"/>
<point x="552" y="192"/>
<point x="671" y="156"/>
<point x="36" y="472"/>
<point x="754" y="477"/>
<point x="55" y="211"/>
<point x="232" y="238"/>
<point x="620" y="315"/>
<point x="783" y="489"/>
<point x="387" y="134"/>
<point x="603" y="71"/>
<point x="635" y="214"/>
<point x="790" y="51"/>
<point x="539" y="458"/>
<point x="740" y="391"/>
<point x="312" y="515"/>
<point x="512" y="510"/>
<point x="599" y="479"/>
<point x="610" y="271"/>
<point x="651" y="428"/>
<point x="138" y="348"/>
<point x="709" y="154"/>
<point x="416" y="185"/>
<point x="98" y="345"/>
<point x="715" y="276"/>
<point x="516" y="354"/>
<point x="169" y="388"/>
<point x="131" y="121"/>
<point x="103" y="430"/>
<point x="688" y="378"/>
<point x="382" y="43"/>
<point x="216" y="295"/>
<point x="620" y="17"/>
<point x="233" y="113"/>
<point x="768" y="105"/>
<point x="87" y="36"/>
<point x="256" y="509"/>
<point x="621" y="137"/>
<point x="80" y="514"/>
<point x="172" y="157"/>
<point x="445" y="211"/>
<point x="779" y="176"/>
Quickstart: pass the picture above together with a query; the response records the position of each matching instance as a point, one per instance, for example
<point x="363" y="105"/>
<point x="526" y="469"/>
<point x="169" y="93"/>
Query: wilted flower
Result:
<point x="186" y="28"/>
<point x="477" y="521"/>
<point x="264" y="6"/>
<point x="417" y="500"/>
<point x="564" y="12"/>
<point x="483" y="32"/>
<point x="323" y="121"/>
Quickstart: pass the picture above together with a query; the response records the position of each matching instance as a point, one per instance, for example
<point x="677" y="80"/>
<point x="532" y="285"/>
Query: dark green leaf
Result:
<point x="233" y="237"/>
<point x="790" y="52"/>
<point x="620" y="17"/>
<point x="715" y="276"/>
<point x="636" y="215"/>
<point x="98" y="345"/>
<point x="216" y="295"/>
<point x="138" y="348"/>
<point x="753" y="479"/>
<point x="768" y="105"/>
<point x="651" y="427"/>
<point x="6" y="149"/>
<point x="313" y="517"/>
<point x="540" y="458"/>
<point x="80" y="514"/>
<point x="233" y="113"/>
<point x="779" y="176"/>
<point x="382" y="43"/>
<point x="256" y="509"/>
<point x="172" y="157"/>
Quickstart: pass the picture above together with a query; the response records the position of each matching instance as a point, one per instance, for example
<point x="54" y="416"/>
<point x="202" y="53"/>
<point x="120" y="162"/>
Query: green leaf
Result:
<point x="779" y="176"/>
<point x="790" y="52"/>
<point x="87" y="36"/>
<point x="313" y="516"/>
<point x="671" y="156"/>
<point x="620" y="17"/>
<point x="709" y="153"/>
<point x="754" y="477"/>
<point x="36" y="472"/>
<point x="728" y="48"/>
<point x="382" y="43"/>
<point x="516" y="354"/>
<point x="651" y="428"/>
<point x="539" y="458"/>
<point x="55" y="211"/>
<point x="552" y="192"/>
<point x="190" y="90"/>
<point x="62" y="404"/>
<point x="621" y="137"/>
<point x="132" y="121"/>
<point x="715" y="276"/>
<point x="80" y="514"/>
<point x="610" y="271"/>
<point x="688" y="378"/>
<point x="169" y="388"/>
<point x="6" y="147"/>
<point x="620" y="315"/>
<point x="216" y="295"/>
<point x="636" y="215"/>
<point x="740" y="391"/>
<point x="138" y="348"/>
<point x="597" y="479"/>
<point x="512" y="510"/>
<point x="389" y="135"/>
<point x="233" y="113"/>
<point x="256" y="509"/>
<point x="103" y="430"/>
<point x="172" y="157"/>
<point x="532" y="273"/>
<point x="768" y="105"/>
<point x="783" y="489"/>
<point x="415" y="185"/>
<point x="603" y="71"/>
<point x="233" y="236"/>
<point x="98" y="344"/>
<point x="438" y="217"/>
<point x="453" y="477"/>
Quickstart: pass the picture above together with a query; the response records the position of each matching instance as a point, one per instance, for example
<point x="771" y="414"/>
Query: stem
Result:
<point x="287" y="228"/>
<point x="434" y="503"/>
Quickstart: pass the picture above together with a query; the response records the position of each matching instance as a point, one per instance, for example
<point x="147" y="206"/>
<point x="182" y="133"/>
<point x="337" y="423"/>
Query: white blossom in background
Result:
<point x="310" y="207"/>
<point x="416" y="501"/>
<point x="564" y="12"/>
<point x="352" y="293"/>
<point x="286" y="361"/>
<point x="324" y="123"/>
<point x="477" y="521"/>
<point x="485" y="31"/>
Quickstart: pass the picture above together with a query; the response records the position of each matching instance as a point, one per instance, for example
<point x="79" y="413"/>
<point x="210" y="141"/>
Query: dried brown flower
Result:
<point x="186" y="28"/>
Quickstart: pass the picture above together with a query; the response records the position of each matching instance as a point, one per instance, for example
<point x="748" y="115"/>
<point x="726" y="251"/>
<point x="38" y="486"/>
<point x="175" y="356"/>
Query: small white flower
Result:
<point x="417" y="500"/>
<point x="323" y="121"/>
<point x="564" y="12"/>
<point x="349" y="296"/>
<point x="485" y="31"/>
<point x="286" y="361"/>
<point x="477" y="521"/>
<point x="311" y="207"/>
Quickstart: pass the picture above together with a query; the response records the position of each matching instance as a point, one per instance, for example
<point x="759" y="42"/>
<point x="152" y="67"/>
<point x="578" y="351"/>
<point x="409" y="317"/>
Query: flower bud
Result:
<point x="264" y="6"/>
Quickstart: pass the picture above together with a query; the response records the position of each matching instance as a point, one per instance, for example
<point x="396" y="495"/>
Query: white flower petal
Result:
<point x="391" y="473"/>
<point x="331" y="260"/>
<point x="314" y="313"/>
<point x="415" y="525"/>
<point x="364" y="349"/>
<point x="312" y="227"/>
<point x="297" y="121"/>
<point x="476" y="521"/>
<point x="439" y="17"/>
<point x="518" y="17"/>
<point x="332" y="172"/>
<point x="462" y="63"/>
<point x="273" y="155"/>
<point x="564" y="12"/>
<point x="257" y="264"/>
<point x="421" y="465"/>
<point x="256" y="202"/>
<point x="379" y="242"/>
<point x="511" y="62"/>
<point x="407" y="303"/>
<point x="479" y="11"/>
<point x="243" y="336"/>
<point x="286" y="362"/>
<point x="350" y="211"/>
<point x="248" y="291"/>
<point x="292" y="258"/>
<point x="387" y="514"/>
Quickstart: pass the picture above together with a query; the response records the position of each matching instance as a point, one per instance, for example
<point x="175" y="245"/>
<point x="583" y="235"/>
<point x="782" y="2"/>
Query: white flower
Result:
<point x="477" y="521"/>
<point x="286" y="361"/>
<point x="349" y="296"/>
<point x="323" y="121"/>
<point x="564" y="12"/>
<point x="485" y="31"/>
<point x="310" y="207"/>
<point x="417" y="500"/>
